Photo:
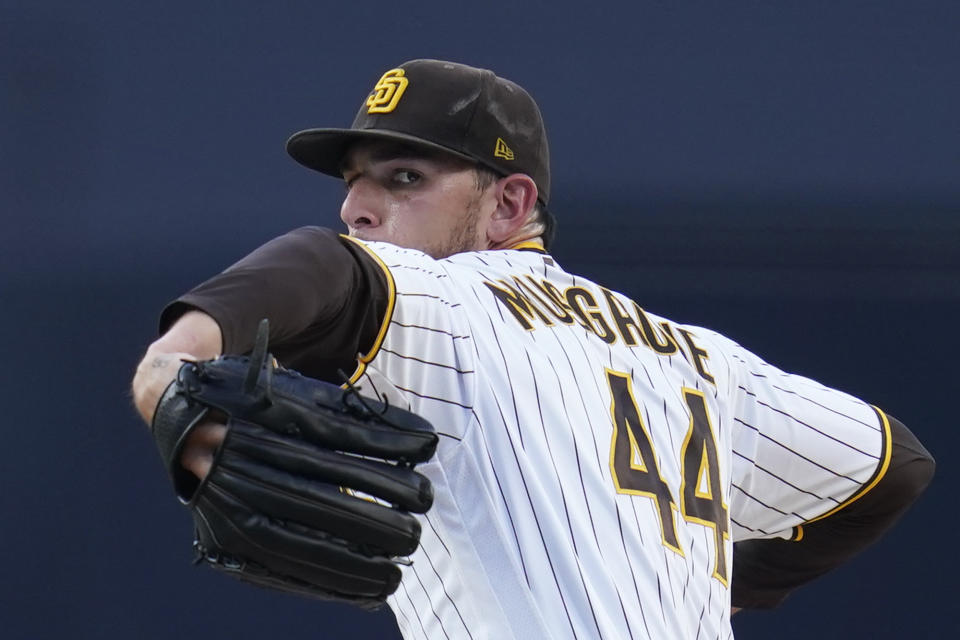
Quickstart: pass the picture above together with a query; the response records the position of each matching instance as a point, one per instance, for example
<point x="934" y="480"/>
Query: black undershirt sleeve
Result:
<point x="325" y="298"/>
<point x="766" y="571"/>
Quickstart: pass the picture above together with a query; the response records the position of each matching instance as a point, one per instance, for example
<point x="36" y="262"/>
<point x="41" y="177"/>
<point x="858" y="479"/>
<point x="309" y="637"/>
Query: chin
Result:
<point x="368" y="236"/>
<point x="373" y="236"/>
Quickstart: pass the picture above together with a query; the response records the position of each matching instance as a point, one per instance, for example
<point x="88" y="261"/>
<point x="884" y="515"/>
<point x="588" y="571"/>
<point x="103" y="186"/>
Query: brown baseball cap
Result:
<point x="468" y="112"/>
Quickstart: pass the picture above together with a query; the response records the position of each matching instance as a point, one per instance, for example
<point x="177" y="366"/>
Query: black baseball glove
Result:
<point x="313" y="488"/>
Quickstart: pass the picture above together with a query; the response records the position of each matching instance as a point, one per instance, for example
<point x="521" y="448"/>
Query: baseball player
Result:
<point x="600" y="471"/>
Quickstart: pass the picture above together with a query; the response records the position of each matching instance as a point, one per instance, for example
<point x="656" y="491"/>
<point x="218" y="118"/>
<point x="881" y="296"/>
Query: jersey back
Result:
<point x="596" y="461"/>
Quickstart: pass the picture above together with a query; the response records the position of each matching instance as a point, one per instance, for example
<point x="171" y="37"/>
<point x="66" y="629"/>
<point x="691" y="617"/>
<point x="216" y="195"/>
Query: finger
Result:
<point x="197" y="461"/>
<point x="200" y="448"/>
<point x="208" y="435"/>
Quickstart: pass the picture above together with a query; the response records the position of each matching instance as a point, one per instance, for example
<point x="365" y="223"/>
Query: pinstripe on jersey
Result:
<point x="512" y="360"/>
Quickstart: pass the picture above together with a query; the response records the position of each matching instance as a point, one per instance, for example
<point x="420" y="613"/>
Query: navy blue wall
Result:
<point x="786" y="173"/>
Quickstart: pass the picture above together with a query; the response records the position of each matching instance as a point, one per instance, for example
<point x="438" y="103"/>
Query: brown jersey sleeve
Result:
<point x="325" y="298"/>
<point x="766" y="571"/>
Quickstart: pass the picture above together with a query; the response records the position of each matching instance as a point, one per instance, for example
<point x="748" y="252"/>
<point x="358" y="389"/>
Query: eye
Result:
<point x="406" y="176"/>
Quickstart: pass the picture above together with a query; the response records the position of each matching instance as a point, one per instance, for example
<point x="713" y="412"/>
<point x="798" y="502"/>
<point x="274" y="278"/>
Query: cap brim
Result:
<point x="324" y="150"/>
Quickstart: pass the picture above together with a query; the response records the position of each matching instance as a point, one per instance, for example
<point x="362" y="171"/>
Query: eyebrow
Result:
<point x="392" y="151"/>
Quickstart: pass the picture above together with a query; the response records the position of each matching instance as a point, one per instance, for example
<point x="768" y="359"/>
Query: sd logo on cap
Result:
<point x="388" y="91"/>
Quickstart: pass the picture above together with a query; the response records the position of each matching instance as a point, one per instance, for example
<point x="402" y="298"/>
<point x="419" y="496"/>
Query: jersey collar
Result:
<point x="529" y="245"/>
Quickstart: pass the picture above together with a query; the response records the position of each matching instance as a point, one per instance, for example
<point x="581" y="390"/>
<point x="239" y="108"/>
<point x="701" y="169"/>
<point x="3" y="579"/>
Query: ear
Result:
<point x="516" y="196"/>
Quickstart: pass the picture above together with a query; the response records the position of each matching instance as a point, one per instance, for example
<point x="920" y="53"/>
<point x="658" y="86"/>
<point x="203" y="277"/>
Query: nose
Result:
<point x="359" y="209"/>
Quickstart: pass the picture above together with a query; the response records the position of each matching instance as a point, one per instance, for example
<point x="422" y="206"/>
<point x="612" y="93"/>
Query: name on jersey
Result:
<point x="541" y="303"/>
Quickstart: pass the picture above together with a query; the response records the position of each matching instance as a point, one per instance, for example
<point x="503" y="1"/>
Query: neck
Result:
<point x="530" y="233"/>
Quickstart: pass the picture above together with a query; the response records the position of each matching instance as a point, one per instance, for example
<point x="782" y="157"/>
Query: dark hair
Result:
<point x="486" y="177"/>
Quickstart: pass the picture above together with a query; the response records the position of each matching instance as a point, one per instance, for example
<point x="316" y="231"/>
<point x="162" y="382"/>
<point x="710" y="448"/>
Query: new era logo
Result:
<point x="502" y="150"/>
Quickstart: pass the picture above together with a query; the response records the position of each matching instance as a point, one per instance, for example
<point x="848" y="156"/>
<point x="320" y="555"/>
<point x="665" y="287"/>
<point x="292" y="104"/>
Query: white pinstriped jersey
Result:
<point x="596" y="462"/>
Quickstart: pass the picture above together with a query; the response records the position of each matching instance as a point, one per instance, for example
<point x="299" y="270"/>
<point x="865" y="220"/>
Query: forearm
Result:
<point x="154" y="373"/>
<point x="195" y="336"/>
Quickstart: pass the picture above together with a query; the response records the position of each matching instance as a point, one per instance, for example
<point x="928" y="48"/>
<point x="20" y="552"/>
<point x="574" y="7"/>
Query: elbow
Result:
<point x="921" y="474"/>
<point x="915" y="465"/>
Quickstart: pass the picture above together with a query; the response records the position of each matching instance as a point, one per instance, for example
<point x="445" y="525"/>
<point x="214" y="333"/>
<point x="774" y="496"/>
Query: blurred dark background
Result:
<point x="783" y="172"/>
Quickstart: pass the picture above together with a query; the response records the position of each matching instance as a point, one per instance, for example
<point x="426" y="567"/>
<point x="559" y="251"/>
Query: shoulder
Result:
<point x="306" y="236"/>
<point x="315" y="250"/>
<point x="301" y="245"/>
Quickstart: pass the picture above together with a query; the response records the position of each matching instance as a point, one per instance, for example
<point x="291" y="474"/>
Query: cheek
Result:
<point x="406" y="221"/>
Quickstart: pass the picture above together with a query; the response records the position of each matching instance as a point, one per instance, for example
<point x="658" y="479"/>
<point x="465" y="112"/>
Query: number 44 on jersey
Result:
<point x="633" y="464"/>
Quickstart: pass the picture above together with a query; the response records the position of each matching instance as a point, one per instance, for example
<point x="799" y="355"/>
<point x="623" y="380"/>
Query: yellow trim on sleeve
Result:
<point x="877" y="476"/>
<point x="364" y="359"/>
<point x="798" y="533"/>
